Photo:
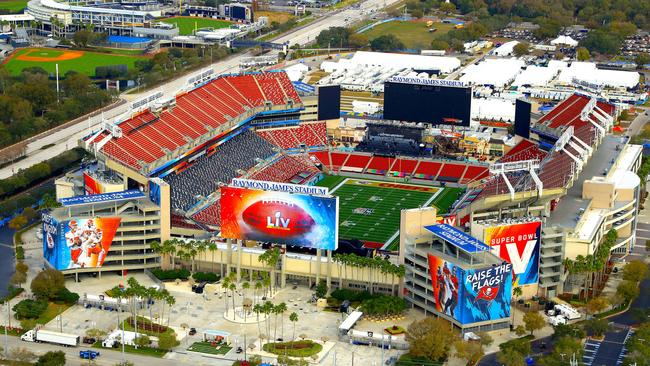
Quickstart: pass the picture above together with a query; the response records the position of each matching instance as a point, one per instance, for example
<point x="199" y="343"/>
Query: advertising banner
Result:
<point x="279" y="217"/>
<point x="485" y="294"/>
<point x="78" y="243"/>
<point x="473" y="295"/>
<point x="444" y="276"/>
<point x="519" y="244"/>
<point x="92" y="185"/>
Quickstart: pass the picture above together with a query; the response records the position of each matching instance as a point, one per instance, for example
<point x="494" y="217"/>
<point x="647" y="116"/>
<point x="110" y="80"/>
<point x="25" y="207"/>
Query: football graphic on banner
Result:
<point x="278" y="218"/>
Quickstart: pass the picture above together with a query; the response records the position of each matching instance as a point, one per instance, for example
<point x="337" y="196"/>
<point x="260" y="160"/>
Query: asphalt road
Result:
<point x="68" y="138"/>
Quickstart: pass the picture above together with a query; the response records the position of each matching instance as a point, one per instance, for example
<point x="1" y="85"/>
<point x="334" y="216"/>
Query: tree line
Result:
<point x="29" y="103"/>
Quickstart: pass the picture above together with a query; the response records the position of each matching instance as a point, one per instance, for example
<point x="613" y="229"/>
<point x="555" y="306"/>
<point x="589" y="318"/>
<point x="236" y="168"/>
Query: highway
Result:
<point x="68" y="138"/>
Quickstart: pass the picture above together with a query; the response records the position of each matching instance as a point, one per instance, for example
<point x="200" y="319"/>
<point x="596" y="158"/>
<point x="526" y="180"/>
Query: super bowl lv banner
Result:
<point x="519" y="244"/>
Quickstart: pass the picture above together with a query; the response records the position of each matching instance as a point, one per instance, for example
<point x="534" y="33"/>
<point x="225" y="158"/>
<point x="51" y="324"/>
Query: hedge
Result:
<point x="205" y="277"/>
<point x="352" y="295"/>
<point x="171" y="274"/>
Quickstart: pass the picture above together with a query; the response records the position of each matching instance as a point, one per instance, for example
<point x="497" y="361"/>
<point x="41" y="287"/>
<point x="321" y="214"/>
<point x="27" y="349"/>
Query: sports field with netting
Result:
<point x="370" y="210"/>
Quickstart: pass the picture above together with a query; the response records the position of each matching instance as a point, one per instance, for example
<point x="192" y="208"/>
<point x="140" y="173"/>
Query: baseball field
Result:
<point x="187" y="25"/>
<point x="370" y="210"/>
<point x="80" y="61"/>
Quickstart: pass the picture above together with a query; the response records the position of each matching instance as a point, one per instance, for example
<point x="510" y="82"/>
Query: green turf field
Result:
<point x="13" y="6"/>
<point x="85" y="64"/>
<point x="205" y="347"/>
<point x="187" y="25"/>
<point x="370" y="210"/>
<point x="447" y="198"/>
<point x="414" y="34"/>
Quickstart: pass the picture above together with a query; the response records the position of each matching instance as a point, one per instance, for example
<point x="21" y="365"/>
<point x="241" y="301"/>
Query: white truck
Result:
<point x="48" y="336"/>
<point x="567" y="311"/>
<point x="129" y="338"/>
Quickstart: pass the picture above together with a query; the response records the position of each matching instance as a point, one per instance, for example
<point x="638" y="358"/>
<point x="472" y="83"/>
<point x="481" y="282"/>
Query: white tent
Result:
<point x="535" y="76"/>
<point x="297" y="71"/>
<point x="402" y="61"/>
<point x="495" y="72"/>
<point x="587" y="72"/>
<point x="505" y="49"/>
<point x="493" y="109"/>
<point x="564" y="40"/>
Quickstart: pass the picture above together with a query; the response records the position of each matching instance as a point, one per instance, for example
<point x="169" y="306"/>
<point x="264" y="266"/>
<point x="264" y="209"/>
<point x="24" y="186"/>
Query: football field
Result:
<point x="370" y="210"/>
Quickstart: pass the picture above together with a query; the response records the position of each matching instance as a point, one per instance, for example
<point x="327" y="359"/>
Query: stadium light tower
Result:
<point x="530" y="166"/>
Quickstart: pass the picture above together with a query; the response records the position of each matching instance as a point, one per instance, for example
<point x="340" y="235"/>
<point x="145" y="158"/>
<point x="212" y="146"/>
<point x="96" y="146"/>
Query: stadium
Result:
<point x="188" y="167"/>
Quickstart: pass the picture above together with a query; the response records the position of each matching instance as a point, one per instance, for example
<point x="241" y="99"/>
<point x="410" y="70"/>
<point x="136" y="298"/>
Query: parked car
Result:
<point x="192" y="331"/>
<point x="88" y="354"/>
<point x="89" y="340"/>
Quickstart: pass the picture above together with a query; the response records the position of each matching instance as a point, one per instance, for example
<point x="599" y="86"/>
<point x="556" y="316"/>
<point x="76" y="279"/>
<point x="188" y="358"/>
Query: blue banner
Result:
<point x="457" y="238"/>
<point x="105" y="197"/>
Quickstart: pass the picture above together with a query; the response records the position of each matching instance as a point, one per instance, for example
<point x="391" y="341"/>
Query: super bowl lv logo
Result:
<point x="277" y="221"/>
<point x="519" y="245"/>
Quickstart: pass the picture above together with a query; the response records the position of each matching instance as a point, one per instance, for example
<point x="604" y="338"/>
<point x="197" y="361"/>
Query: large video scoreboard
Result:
<point x="433" y="101"/>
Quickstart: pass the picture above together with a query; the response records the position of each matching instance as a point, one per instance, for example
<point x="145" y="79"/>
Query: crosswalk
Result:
<point x="609" y="351"/>
<point x="591" y="348"/>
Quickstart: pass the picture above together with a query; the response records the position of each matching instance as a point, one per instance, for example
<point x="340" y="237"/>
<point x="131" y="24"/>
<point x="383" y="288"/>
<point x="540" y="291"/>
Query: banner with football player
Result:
<point x="279" y="217"/>
<point x="445" y="279"/>
<point x="471" y="295"/>
<point x="485" y="294"/>
<point x="519" y="244"/>
<point x="81" y="243"/>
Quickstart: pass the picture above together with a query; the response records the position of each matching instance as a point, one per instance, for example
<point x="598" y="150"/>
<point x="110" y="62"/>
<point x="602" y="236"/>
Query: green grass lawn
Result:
<point x="206" y="347"/>
<point x="187" y="25"/>
<point x="85" y="64"/>
<point x="414" y="34"/>
<point x="145" y="351"/>
<point x="304" y="348"/>
<point x="371" y="213"/>
<point x="330" y="181"/>
<point x="51" y="312"/>
<point x="13" y="6"/>
<point x="445" y="199"/>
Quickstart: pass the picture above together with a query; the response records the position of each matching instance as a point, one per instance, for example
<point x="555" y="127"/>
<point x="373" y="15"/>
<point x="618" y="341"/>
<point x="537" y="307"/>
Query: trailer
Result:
<point x="567" y="311"/>
<point x="48" y="336"/>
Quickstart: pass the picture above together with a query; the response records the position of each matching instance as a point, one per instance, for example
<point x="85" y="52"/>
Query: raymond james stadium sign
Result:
<point x="433" y="82"/>
<point x="281" y="187"/>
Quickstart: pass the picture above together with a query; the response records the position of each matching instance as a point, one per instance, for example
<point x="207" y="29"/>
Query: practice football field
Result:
<point x="370" y="210"/>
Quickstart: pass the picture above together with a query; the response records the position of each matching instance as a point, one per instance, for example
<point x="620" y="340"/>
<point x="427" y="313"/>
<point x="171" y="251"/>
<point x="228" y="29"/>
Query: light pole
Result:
<point x="7" y="335"/>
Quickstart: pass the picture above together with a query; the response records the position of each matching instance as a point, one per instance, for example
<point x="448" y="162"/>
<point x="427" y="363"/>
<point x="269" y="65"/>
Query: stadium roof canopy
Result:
<point x="401" y="61"/>
<point x="495" y="72"/>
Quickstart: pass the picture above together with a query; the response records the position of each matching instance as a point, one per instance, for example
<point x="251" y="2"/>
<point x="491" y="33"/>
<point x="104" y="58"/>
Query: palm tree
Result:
<point x="257" y="309"/>
<point x="225" y="284"/>
<point x="293" y="318"/>
<point x="266" y="280"/>
<point x="516" y="292"/>
<point x="233" y="287"/>
<point x="245" y="286"/>
<point x="271" y="258"/>
<point x="268" y="309"/>
<point x="171" y="300"/>
<point x="201" y="248"/>
<point x="258" y="286"/>
<point x="281" y="309"/>
<point x="212" y="246"/>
